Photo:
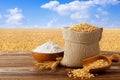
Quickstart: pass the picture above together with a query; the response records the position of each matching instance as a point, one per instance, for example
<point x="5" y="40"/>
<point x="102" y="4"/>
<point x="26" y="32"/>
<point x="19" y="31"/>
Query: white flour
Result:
<point x="48" y="47"/>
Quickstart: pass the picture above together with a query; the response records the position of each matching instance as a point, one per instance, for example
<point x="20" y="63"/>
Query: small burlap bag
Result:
<point x="80" y="45"/>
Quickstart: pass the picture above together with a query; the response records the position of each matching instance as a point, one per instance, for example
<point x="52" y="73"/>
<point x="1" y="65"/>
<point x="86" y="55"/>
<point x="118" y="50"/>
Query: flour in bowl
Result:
<point x="48" y="47"/>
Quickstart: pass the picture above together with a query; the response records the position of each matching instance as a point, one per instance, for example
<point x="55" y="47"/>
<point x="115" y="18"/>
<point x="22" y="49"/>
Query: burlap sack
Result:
<point x="80" y="45"/>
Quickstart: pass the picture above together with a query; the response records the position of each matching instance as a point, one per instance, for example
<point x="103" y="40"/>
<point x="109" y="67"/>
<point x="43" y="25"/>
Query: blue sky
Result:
<point x="59" y="13"/>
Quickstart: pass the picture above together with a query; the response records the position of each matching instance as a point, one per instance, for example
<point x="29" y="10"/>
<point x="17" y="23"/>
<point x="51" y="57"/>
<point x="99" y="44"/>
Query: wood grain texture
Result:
<point x="20" y="66"/>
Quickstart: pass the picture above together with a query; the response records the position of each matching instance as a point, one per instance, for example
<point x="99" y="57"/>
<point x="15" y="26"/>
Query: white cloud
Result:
<point x="82" y="10"/>
<point x="106" y="2"/>
<point x="76" y="5"/>
<point x="15" y="16"/>
<point x="51" y="23"/>
<point x="79" y="16"/>
<point x="102" y="11"/>
<point x="97" y="16"/>
<point x="51" y="4"/>
<point x="78" y="9"/>
<point x="68" y="7"/>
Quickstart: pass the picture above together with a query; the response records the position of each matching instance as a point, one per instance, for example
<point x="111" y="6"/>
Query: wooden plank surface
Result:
<point x="21" y="66"/>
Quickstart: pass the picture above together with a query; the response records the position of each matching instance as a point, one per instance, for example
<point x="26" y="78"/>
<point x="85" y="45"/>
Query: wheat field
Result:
<point x="28" y="39"/>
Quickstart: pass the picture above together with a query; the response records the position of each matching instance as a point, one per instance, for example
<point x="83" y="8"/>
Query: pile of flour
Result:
<point x="48" y="47"/>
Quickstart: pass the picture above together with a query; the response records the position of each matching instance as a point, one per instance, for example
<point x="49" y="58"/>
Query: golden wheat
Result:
<point x="27" y="39"/>
<point x="110" y="40"/>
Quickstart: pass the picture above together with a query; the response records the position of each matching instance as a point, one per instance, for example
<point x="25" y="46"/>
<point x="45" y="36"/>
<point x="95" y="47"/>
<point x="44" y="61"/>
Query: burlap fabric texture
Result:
<point x="80" y="45"/>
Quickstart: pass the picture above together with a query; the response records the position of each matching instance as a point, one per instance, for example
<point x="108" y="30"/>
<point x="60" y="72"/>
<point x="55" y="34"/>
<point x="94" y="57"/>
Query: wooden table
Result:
<point x="20" y="66"/>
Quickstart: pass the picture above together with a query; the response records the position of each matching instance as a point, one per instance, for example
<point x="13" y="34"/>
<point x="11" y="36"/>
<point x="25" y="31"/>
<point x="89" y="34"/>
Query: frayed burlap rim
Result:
<point x="82" y="37"/>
